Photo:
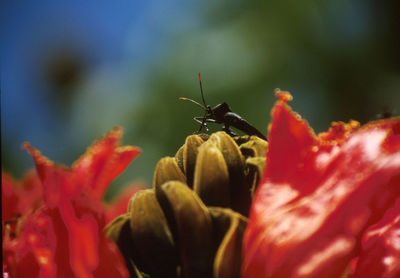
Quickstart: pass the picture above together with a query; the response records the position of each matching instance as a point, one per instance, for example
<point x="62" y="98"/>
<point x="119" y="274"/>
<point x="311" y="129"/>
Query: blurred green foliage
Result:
<point x="339" y="59"/>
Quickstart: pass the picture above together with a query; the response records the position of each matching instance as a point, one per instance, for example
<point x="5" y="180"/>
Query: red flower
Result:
<point x="319" y="194"/>
<point x="64" y="236"/>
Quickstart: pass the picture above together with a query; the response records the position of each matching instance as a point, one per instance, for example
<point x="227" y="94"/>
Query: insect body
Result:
<point x="222" y="114"/>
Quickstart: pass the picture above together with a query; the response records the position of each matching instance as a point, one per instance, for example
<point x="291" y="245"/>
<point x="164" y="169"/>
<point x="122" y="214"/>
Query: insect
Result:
<point x="222" y="114"/>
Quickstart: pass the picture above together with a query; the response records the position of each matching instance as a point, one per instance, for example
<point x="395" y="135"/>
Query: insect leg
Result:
<point x="226" y="128"/>
<point x="203" y="122"/>
<point x="206" y="119"/>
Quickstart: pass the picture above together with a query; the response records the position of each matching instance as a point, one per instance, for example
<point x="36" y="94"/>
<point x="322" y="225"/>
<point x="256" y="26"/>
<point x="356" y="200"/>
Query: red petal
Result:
<point x="317" y="196"/>
<point x="103" y="162"/>
<point x="31" y="192"/>
<point x="57" y="180"/>
<point x="60" y="243"/>
<point x="30" y="255"/>
<point x="9" y="198"/>
<point x="380" y="256"/>
<point x="18" y="198"/>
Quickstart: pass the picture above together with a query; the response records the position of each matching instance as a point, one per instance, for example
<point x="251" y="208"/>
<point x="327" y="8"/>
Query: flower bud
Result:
<point x="191" y="227"/>
<point x="228" y="257"/>
<point x="167" y="169"/>
<point x="152" y="241"/>
<point x="211" y="180"/>
<point x="190" y="151"/>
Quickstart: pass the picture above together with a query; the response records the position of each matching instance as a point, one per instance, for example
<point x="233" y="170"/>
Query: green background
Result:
<point x="339" y="59"/>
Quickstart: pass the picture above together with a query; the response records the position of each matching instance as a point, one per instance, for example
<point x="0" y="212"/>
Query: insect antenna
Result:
<point x="206" y="108"/>
<point x="201" y="91"/>
<point x="203" y="123"/>
<point x="191" y="100"/>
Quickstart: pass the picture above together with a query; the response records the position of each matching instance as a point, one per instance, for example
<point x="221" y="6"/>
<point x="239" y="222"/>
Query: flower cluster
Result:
<point x="190" y="223"/>
<point x="53" y="220"/>
<point x="328" y="204"/>
<point x="325" y="205"/>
